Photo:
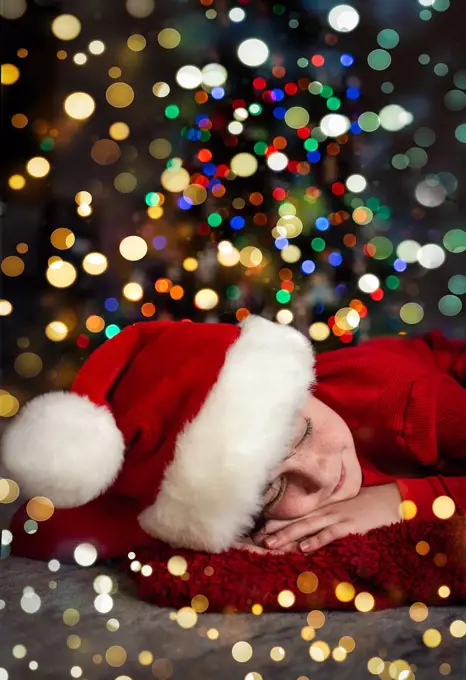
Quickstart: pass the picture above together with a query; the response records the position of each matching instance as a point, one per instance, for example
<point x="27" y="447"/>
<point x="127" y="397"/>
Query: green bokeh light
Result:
<point x="214" y="220"/>
<point x="440" y="69"/>
<point x="400" y="161"/>
<point x="279" y="10"/>
<point x="455" y="240"/>
<point x="379" y="60"/>
<point x="450" y="305"/>
<point x="441" y="5"/>
<point x="255" y="109"/>
<point x="172" y="111"/>
<point x="233" y="293"/>
<point x="326" y="91"/>
<point x="460" y="133"/>
<point x="392" y="282"/>
<point x="47" y="144"/>
<point x="369" y="121"/>
<point x="260" y="148"/>
<point x="388" y="38"/>
<point x="424" y="137"/>
<point x="383" y="246"/>
<point x="417" y="157"/>
<point x="318" y="244"/>
<point x="112" y="330"/>
<point x="425" y="15"/>
<point x="455" y="100"/>
<point x="283" y="297"/>
<point x="460" y="80"/>
<point x="457" y="284"/>
<point x="152" y="198"/>
<point x="333" y="104"/>
<point x="311" y="144"/>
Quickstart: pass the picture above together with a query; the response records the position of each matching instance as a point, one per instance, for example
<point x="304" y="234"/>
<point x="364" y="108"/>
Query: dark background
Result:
<point x="31" y="215"/>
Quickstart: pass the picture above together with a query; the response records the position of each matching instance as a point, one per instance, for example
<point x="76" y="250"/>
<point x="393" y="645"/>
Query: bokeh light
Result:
<point x="66" y="27"/>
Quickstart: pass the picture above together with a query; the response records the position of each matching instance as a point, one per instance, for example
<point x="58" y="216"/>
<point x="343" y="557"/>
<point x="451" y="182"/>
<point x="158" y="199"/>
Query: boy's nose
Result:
<point x="315" y="474"/>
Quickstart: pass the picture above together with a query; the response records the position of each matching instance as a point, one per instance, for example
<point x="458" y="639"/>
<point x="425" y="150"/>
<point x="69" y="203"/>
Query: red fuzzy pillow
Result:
<point x="397" y="565"/>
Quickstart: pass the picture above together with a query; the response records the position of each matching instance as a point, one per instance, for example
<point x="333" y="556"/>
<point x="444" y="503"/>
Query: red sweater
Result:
<point x="404" y="400"/>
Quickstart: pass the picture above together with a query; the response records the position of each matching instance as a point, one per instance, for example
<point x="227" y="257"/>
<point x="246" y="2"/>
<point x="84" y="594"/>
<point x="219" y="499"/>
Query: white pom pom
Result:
<point x="63" y="446"/>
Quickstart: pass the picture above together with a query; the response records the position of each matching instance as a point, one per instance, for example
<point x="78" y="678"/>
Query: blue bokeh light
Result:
<point x="159" y="242"/>
<point x="279" y="112"/>
<point x="335" y="259"/>
<point x="237" y="222"/>
<point x="111" y="304"/>
<point x="308" y="266"/>
<point x="400" y="265"/>
<point x="346" y="59"/>
<point x="322" y="223"/>
<point x="353" y="93"/>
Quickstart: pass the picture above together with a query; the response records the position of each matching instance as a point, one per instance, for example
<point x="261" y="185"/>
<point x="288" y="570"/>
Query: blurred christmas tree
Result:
<point x="207" y="160"/>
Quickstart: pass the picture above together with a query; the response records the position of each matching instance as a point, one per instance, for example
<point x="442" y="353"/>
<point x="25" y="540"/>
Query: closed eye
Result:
<point x="280" y="488"/>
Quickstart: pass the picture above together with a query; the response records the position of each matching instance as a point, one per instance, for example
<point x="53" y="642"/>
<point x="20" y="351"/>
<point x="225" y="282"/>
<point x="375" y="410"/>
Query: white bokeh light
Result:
<point x="236" y="14"/>
<point x="356" y="183"/>
<point x="430" y="195"/>
<point x="431" y="256"/>
<point x="235" y="127"/>
<point x="189" y="77"/>
<point x="277" y="161"/>
<point x="85" y="554"/>
<point x="241" y="113"/>
<point x="284" y="316"/>
<point x="334" y="124"/>
<point x="368" y="283"/>
<point x="394" y="117"/>
<point x="103" y="603"/>
<point x="343" y="18"/>
<point x="253" y="52"/>
<point x="214" y="75"/>
<point x="408" y="250"/>
<point x="30" y="602"/>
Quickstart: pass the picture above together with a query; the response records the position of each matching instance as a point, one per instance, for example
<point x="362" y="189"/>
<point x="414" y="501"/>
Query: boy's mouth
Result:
<point x="341" y="480"/>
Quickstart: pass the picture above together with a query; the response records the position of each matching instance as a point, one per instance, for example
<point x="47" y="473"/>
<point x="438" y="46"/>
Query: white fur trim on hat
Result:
<point x="212" y="490"/>
<point x="63" y="446"/>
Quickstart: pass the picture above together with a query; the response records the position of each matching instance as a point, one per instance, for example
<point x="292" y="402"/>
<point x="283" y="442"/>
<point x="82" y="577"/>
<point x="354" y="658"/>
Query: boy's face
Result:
<point x="321" y="468"/>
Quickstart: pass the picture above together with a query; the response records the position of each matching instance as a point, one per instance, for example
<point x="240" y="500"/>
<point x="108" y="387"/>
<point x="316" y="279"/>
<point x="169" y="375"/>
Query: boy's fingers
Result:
<point x="250" y="547"/>
<point x="291" y="547"/>
<point x="256" y="549"/>
<point x="328" y="535"/>
<point x="272" y="526"/>
<point x="299" y="530"/>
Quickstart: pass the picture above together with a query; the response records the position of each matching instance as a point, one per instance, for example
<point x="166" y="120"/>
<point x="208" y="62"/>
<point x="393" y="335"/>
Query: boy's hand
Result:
<point x="374" y="506"/>
<point x="246" y="543"/>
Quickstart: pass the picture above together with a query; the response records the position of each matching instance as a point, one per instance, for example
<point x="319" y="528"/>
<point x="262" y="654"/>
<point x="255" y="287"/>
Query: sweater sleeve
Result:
<point x="450" y="432"/>
<point x="432" y="349"/>
<point x="424" y="491"/>
<point x="449" y="354"/>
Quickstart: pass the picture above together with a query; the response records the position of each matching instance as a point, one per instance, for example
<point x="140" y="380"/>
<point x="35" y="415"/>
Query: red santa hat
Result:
<point x="182" y="422"/>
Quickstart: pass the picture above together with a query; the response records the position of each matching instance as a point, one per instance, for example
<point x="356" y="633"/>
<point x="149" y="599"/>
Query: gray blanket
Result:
<point x="189" y="653"/>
